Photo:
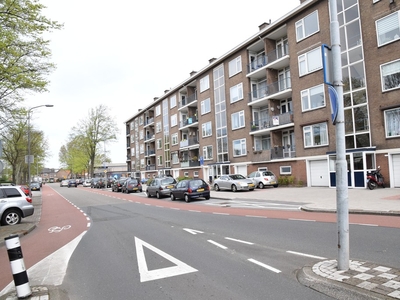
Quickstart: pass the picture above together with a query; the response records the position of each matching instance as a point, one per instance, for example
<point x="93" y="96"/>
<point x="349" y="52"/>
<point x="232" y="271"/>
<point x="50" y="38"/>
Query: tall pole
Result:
<point x="29" y="159"/>
<point x="341" y="164"/>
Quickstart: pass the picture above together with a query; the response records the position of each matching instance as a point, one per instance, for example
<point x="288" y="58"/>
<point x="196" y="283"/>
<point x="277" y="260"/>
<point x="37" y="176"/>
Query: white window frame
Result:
<point x="393" y="129"/>
<point x="142" y="163"/>
<point x="387" y="23"/>
<point x="159" y="143"/>
<point x="174" y="120"/>
<point x="204" y="83"/>
<point x="285" y="170"/>
<point x="158" y="110"/>
<point x="395" y="70"/>
<point x="172" y="101"/>
<point x="235" y="66"/>
<point x="239" y="145"/>
<point x="141" y="120"/>
<point x="159" y="160"/>
<point x="141" y="148"/>
<point x="141" y="135"/>
<point x="237" y="120"/>
<point x="132" y="139"/>
<point x="306" y="97"/>
<point x="174" y="139"/>
<point x="206" y="129"/>
<point x="158" y="127"/>
<point x="132" y="125"/>
<point x="236" y="92"/>
<point x="309" y="62"/>
<point x="301" y="27"/>
<point x="309" y="138"/>
<point x="175" y="158"/>
<point x="205" y="106"/>
<point x="206" y="151"/>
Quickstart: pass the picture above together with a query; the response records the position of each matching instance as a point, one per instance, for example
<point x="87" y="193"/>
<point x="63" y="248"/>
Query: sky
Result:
<point x="123" y="54"/>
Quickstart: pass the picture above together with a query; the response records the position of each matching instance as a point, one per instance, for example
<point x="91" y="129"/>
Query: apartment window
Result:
<point x="313" y="98"/>
<point x="315" y="135"/>
<point x="235" y="66"/>
<point x="159" y="160"/>
<point x="159" y="145"/>
<point x="142" y="163"/>
<point x="307" y="26"/>
<point x="174" y="120"/>
<point x="207" y="152"/>
<point x="310" y="62"/>
<point x="206" y="129"/>
<point x="237" y="120"/>
<point x="132" y="124"/>
<point x="175" y="158"/>
<point x="390" y="75"/>
<point x="133" y="165"/>
<point x="388" y="29"/>
<point x="132" y="139"/>
<point x="141" y="135"/>
<point x="392" y="122"/>
<point x="239" y="147"/>
<point x="158" y="127"/>
<point x="204" y="83"/>
<point x="174" y="139"/>
<point x="205" y="106"/>
<point x="285" y="170"/>
<point x="172" y="102"/>
<point x="236" y="92"/>
<point x="158" y="110"/>
<point x="141" y="149"/>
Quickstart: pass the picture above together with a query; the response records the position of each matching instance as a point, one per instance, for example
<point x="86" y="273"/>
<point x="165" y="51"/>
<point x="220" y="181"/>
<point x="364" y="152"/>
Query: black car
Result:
<point x="117" y="184"/>
<point x="101" y="183"/>
<point x="35" y="186"/>
<point x="94" y="182"/>
<point x="72" y="183"/>
<point x="109" y="182"/>
<point x="160" y="187"/>
<point x="131" y="185"/>
<point x="189" y="189"/>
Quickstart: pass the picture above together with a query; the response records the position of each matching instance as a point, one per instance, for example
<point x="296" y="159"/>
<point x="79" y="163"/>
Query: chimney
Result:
<point x="212" y="59"/>
<point x="192" y="73"/>
<point x="155" y="98"/>
<point x="166" y="91"/>
<point x="263" y="25"/>
<point x="139" y="110"/>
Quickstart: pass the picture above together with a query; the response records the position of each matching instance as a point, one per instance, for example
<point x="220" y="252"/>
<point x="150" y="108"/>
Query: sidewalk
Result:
<point x="363" y="280"/>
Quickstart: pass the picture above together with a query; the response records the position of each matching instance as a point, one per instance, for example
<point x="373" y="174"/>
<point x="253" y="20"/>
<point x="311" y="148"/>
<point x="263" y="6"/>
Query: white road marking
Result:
<point x="256" y="216"/>
<point x="146" y="275"/>
<point x="302" y="220"/>
<point x="306" y="255"/>
<point x="373" y="225"/>
<point x="216" y="244"/>
<point x="217" y="213"/>
<point x="192" y="231"/>
<point x="264" y="265"/>
<point x="240" y="241"/>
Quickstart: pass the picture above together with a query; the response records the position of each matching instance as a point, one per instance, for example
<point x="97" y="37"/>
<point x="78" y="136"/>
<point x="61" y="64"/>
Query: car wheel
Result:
<point x="207" y="198"/>
<point x="187" y="198"/>
<point x="158" y="195"/>
<point x="260" y="185"/>
<point x="234" y="188"/>
<point x="11" y="217"/>
<point x="172" y="197"/>
<point x="275" y="186"/>
<point x="216" y="187"/>
<point x="148" y="194"/>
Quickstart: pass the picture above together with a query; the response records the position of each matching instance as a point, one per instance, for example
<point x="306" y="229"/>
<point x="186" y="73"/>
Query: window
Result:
<point x="315" y="135"/>
<point x="195" y="173"/>
<point x="159" y="145"/>
<point x="310" y="62"/>
<point x="158" y="127"/>
<point x="239" y="147"/>
<point x="285" y="170"/>
<point x="175" y="158"/>
<point x="392" y="122"/>
<point x="388" y="29"/>
<point x="132" y="139"/>
<point x="172" y="102"/>
<point x="390" y="75"/>
<point x="141" y="149"/>
<point x="206" y="129"/>
<point x="207" y="152"/>
<point x="141" y="120"/>
<point x="237" y="120"/>
<point x="132" y="125"/>
<point x="307" y="26"/>
<point x="313" y="98"/>
<point x="236" y="92"/>
<point x="159" y="160"/>
<point x="174" y="120"/>
<point x="174" y="139"/>
<point x="204" y="83"/>
<point x="142" y="163"/>
<point x="141" y="135"/>
<point x="205" y="106"/>
<point x="235" y="66"/>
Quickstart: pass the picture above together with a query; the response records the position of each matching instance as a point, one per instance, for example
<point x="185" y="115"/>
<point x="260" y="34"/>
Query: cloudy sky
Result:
<point x="124" y="53"/>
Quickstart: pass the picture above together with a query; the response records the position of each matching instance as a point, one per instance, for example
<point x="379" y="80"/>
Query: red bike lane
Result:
<point x="60" y="223"/>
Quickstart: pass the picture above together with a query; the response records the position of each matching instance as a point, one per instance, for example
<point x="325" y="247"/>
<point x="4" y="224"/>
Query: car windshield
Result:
<point x="237" y="176"/>
<point x="196" y="183"/>
<point x="267" y="173"/>
<point x="167" y="181"/>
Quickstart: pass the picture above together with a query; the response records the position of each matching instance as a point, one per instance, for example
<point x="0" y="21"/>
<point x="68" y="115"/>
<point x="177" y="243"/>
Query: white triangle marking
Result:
<point x="192" y="231"/>
<point x="146" y="275"/>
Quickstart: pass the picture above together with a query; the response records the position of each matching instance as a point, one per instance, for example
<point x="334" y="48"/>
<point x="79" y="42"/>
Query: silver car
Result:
<point x="263" y="178"/>
<point x="14" y="205"/>
<point x="234" y="183"/>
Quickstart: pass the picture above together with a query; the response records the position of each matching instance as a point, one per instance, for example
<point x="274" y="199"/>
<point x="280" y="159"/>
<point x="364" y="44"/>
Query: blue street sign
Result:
<point x="333" y="96"/>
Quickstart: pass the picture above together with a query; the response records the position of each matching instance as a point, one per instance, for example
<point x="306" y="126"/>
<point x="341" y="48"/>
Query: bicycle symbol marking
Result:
<point x="56" y="229"/>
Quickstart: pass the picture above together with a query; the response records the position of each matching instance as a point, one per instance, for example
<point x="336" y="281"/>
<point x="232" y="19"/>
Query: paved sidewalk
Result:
<point x="363" y="280"/>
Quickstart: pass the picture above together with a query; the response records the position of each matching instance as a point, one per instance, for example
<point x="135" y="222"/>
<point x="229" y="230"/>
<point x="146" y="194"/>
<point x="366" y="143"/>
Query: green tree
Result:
<point x="24" y="53"/>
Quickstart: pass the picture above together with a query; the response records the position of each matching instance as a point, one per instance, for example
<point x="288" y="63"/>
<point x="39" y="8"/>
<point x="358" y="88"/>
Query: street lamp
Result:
<point x="29" y="159"/>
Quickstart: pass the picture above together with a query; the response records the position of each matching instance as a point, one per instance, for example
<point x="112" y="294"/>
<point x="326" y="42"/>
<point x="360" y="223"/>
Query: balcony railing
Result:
<point x="150" y="167"/>
<point x="261" y="155"/>
<point x="148" y="121"/>
<point x="188" y="121"/>
<point x="149" y="137"/>
<point x="189" y="142"/>
<point x="189" y="99"/>
<point x="277" y="54"/>
<point x="281" y="152"/>
<point x="272" y="121"/>
<point x="271" y="89"/>
<point x="260" y="62"/>
<point x="149" y="152"/>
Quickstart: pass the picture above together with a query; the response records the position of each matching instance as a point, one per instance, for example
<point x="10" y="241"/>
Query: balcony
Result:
<point x="148" y="122"/>
<point x="149" y="138"/>
<point x="282" y="152"/>
<point x="257" y="64"/>
<point x="189" y="101"/>
<point x="187" y="143"/>
<point x="150" y="167"/>
<point x="261" y="155"/>
<point x="278" y="90"/>
<point x="272" y="121"/>
<point x="189" y="122"/>
<point x="278" y="60"/>
<point x="150" y="152"/>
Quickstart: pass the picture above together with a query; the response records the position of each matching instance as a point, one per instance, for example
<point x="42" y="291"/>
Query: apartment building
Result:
<point x="264" y="104"/>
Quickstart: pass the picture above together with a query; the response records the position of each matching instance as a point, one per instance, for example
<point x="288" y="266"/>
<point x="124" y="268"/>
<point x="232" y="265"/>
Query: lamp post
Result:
<point x="29" y="159"/>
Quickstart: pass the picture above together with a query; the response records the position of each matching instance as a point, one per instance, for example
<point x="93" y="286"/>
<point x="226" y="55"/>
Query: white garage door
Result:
<point x="396" y="172"/>
<point x="319" y="173"/>
<point x="242" y="170"/>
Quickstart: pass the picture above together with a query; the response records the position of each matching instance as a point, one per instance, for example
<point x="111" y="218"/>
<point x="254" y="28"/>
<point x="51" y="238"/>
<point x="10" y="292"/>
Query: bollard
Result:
<point x="17" y="266"/>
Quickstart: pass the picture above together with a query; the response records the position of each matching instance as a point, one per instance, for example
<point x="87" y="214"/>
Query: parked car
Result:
<point x="263" y="178"/>
<point x="87" y="183"/>
<point x="109" y="182"/>
<point x="94" y="183"/>
<point x="117" y="184"/>
<point x="35" y="186"/>
<point x="72" y="183"/>
<point x="234" y="183"/>
<point x="101" y="183"/>
<point x="131" y="185"/>
<point x="160" y="187"/>
<point x="25" y="189"/>
<point x="64" y="183"/>
<point x="14" y="205"/>
<point x="189" y="189"/>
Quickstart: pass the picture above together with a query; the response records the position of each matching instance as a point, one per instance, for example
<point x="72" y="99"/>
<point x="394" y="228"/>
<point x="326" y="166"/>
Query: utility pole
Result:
<point x="342" y="200"/>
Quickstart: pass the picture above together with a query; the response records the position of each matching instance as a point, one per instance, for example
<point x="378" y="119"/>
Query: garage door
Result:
<point x="242" y="170"/>
<point x="319" y="173"/>
<point x="396" y="172"/>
